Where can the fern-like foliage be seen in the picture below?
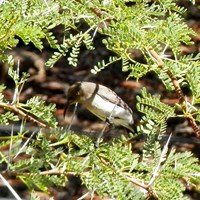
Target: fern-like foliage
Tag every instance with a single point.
(36, 106)
(7, 117)
(112, 170)
(2, 88)
(73, 43)
(102, 65)
(151, 106)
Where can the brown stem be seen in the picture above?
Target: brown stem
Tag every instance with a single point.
(178, 90)
(132, 180)
(99, 13)
(26, 116)
(194, 126)
(49, 172)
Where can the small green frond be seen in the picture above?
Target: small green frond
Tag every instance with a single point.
(2, 88)
(34, 196)
(193, 79)
(51, 39)
(8, 117)
(54, 58)
(88, 41)
(102, 64)
(151, 106)
(37, 107)
(73, 58)
(137, 70)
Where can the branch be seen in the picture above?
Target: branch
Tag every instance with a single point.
(146, 188)
(99, 13)
(178, 90)
(24, 115)
(48, 172)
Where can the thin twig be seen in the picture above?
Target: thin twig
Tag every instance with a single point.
(65, 139)
(161, 160)
(57, 172)
(54, 171)
(83, 196)
(72, 117)
(175, 82)
(10, 188)
(16, 91)
(138, 183)
(178, 90)
(26, 116)
(24, 145)
(10, 148)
